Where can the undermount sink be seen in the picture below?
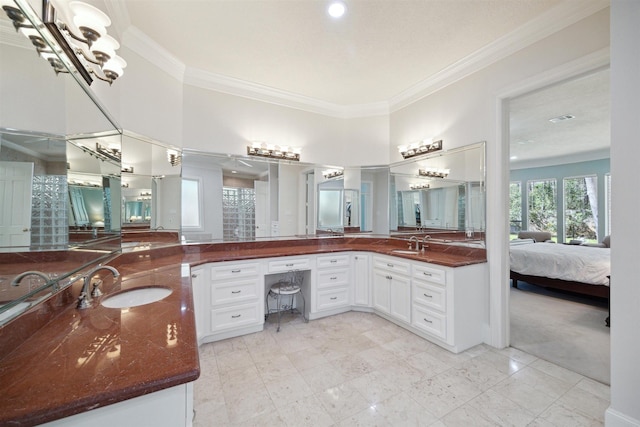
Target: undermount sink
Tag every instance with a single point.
(136, 297)
(405, 252)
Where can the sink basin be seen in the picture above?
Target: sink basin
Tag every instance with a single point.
(136, 297)
(405, 252)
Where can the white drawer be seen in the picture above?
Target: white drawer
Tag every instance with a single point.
(430, 295)
(333, 261)
(390, 264)
(229, 271)
(234, 291)
(289, 264)
(435, 275)
(430, 322)
(233, 317)
(332, 298)
(333, 277)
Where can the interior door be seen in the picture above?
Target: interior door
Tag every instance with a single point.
(15, 192)
(262, 208)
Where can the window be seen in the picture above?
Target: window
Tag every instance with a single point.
(238, 213)
(581, 208)
(515, 207)
(542, 204)
(191, 211)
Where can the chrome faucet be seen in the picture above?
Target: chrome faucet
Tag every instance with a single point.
(16, 280)
(83, 299)
(411, 240)
(424, 242)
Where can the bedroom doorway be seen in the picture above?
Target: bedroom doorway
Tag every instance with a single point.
(558, 134)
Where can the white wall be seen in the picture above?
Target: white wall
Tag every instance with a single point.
(625, 269)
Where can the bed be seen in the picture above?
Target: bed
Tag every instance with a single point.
(580, 269)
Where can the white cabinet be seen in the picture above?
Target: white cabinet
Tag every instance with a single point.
(360, 282)
(331, 294)
(392, 287)
(449, 305)
(230, 299)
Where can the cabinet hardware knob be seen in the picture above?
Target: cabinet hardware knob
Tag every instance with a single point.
(428, 321)
(236, 316)
(193, 276)
(427, 274)
(289, 265)
(389, 277)
(428, 296)
(333, 298)
(389, 265)
(25, 229)
(333, 261)
(333, 278)
(235, 292)
(236, 271)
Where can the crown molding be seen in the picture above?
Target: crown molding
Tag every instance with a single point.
(212, 81)
(566, 13)
(150, 50)
(586, 156)
(117, 10)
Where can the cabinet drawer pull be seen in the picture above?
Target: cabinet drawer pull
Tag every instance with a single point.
(428, 296)
(389, 277)
(236, 271)
(289, 265)
(427, 274)
(428, 321)
(238, 315)
(389, 265)
(333, 278)
(333, 261)
(236, 292)
(333, 298)
(193, 276)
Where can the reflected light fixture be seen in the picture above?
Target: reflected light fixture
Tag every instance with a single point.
(262, 149)
(419, 186)
(336, 9)
(127, 169)
(332, 173)
(84, 41)
(422, 147)
(434, 172)
(113, 153)
(174, 157)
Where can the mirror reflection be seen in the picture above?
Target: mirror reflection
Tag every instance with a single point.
(440, 194)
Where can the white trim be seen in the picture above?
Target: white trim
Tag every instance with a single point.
(498, 236)
(568, 12)
(8, 36)
(147, 48)
(561, 160)
(613, 418)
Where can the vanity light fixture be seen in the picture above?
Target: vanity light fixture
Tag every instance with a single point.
(113, 153)
(419, 186)
(127, 169)
(422, 147)
(434, 172)
(93, 53)
(125, 185)
(261, 149)
(174, 157)
(332, 173)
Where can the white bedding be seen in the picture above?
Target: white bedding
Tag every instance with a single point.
(566, 262)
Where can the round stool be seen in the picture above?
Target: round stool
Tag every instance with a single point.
(284, 292)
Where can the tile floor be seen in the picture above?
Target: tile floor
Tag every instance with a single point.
(357, 369)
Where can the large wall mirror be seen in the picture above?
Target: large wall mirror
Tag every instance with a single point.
(440, 194)
(50, 129)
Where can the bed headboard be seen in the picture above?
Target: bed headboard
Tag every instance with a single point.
(538, 236)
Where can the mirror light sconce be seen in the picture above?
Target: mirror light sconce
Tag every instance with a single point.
(261, 149)
(417, 148)
(92, 53)
(113, 153)
(174, 157)
(419, 186)
(332, 173)
(127, 169)
(434, 172)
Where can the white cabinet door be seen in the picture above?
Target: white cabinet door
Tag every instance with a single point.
(400, 299)
(201, 289)
(382, 290)
(361, 284)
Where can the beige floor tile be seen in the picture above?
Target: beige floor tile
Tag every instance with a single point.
(351, 367)
(542, 381)
(249, 404)
(233, 360)
(229, 345)
(305, 412)
(402, 410)
(366, 418)
(270, 419)
(402, 374)
(288, 389)
(322, 377)
(518, 355)
(426, 363)
(534, 400)
(562, 416)
(501, 362)
(342, 401)
(502, 411)
(600, 390)
(482, 374)
(275, 369)
(407, 346)
(210, 414)
(307, 358)
(375, 387)
(556, 371)
(442, 394)
(467, 416)
(585, 402)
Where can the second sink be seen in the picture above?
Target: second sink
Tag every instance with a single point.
(136, 297)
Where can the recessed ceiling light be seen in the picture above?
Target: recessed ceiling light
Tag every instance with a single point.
(562, 118)
(234, 171)
(336, 9)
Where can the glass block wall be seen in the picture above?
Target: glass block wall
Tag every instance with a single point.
(238, 213)
(49, 221)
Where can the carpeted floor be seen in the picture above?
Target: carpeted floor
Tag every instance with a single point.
(565, 330)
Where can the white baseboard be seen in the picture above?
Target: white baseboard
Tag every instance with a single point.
(613, 418)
